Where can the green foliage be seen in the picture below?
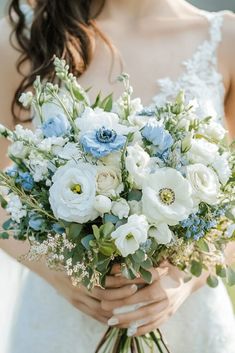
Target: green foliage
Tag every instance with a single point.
(230, 276)
(212, 281)
(196, 268)
(4, 235)
(3, 202)
(146, 275)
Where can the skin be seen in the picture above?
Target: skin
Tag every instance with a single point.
(165, 25)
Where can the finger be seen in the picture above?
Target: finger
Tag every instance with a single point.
(120, 281)
(114, 294)
(149, 327)
(116, 269)
(158, 272)
(153, 292)
(149, 312)
(97, 314)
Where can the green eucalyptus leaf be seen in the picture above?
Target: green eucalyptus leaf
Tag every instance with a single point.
(75, 230)
(3, 202)
(212, 281)
(196, 268)
(8, 224)
(147, 264)
(107, 229)
(96, 231)
(4, 235)
(203, 246)
(221, 271)
(146, 275)
(138, 256)
(107, 103)
(230, 276)
(86, 241)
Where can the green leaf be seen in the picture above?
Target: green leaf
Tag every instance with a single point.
(107, 248)
(97, 101)
(8, 224)
(106, 229)
(75, 230)
(230, 276)
(221, 271)
(96, 231)
(86, 241)
(196, 268)
(212, 281)
(139, 256)
(146, 275)
(3, 202)
(128, 273)
(147, 264)
(203, 246)
(107, 103)
(4, 235)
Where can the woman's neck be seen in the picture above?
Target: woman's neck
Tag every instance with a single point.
(134, 10)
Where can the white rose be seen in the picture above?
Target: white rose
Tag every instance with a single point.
(18, 150)
(97, 118)
(222, 168)
(72, 194)
(204, 182)
(109, 181)
(102, 204)
(137, 161)
(213, 130)
(120, 208)
(135, 207)
(129, 236)
(202, 151)
(167, 197)
(161, 233)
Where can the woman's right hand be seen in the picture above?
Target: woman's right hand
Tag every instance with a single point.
(90, 302)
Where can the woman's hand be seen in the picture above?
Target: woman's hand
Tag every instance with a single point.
(152, 305)
(90, 302)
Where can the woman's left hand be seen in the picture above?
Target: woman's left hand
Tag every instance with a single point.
(152, 305)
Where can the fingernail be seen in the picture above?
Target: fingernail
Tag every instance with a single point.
(131, 331)
(113, 321)
(134, 288)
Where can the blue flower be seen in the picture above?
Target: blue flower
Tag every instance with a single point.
(36, 222)
(25, 180)
(196, 227)
(102, 142)
(56, 126)
(159, 137)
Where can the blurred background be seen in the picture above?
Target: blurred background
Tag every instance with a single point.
(210, 5)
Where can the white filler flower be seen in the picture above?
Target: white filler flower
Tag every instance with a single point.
(72, 194)
(129, 236)
(167, 197)
(204, 182)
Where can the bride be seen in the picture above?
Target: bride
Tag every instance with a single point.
(164, 45)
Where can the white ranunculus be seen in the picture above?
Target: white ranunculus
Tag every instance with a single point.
(167, 197)
(161, 233)
(97, 118)
(70, 151)
(135, 207)
(137, 161)
(202, 151)
(102, 204)
(213, 130)
(72, 194)
(204, 182)
(109, 181)
(120, 208)
(18, 150)
(222, 168)
(129, 236)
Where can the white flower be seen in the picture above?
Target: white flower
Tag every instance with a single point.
(102, 204)
(51, 144)
(120, 208)
(25, 134)
(26, 99)
(129, 236)
(213, 130)
(137, 161)
(18, 150)
(138, 120)
(167, 197)
(202, 151)
(112, 159)
(222, 168)
(109, 181)
(161, 233)
(3, 129)
(204, 182)
(70, 151)
(135, 207)
(72, 194)
(15, 208)
(119, 107)
(98, 118)
(187, 142)
(38, 166)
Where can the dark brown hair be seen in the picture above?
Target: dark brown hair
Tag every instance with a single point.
(65, 28)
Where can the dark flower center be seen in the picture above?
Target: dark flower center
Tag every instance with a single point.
(104, 135)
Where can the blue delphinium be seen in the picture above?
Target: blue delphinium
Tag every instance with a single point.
(25, 179)
(196, 227)
(56, 126)
(159, 137)
(101, 142)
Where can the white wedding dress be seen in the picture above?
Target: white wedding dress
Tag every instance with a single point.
(34, 318)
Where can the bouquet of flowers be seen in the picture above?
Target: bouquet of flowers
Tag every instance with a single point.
(115, 182)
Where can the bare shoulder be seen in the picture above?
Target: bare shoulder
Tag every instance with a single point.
(228, 42)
